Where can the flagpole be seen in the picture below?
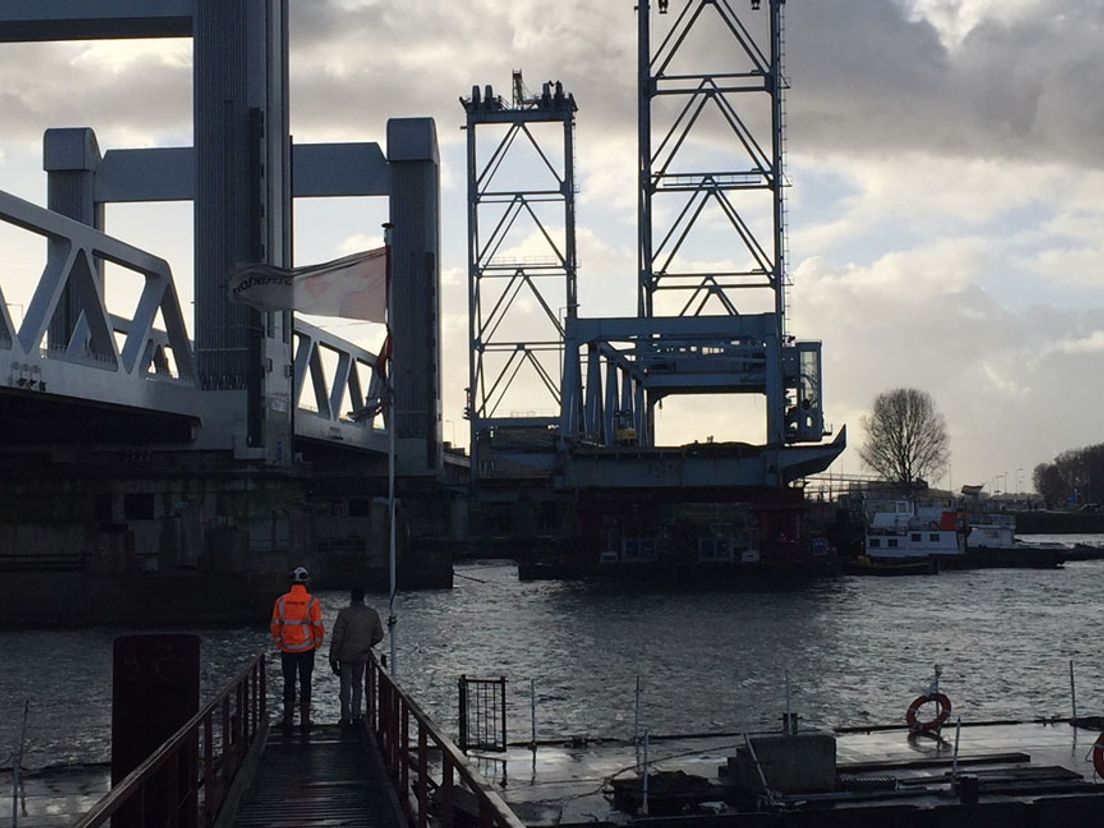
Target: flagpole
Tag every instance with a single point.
(392, 619)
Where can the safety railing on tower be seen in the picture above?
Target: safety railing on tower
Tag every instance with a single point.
(188, 777)
(407, 740)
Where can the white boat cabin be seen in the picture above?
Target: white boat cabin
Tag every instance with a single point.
(992, 532)
(902, 530)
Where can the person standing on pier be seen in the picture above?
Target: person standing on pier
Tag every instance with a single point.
(356, 631)
(297, 632)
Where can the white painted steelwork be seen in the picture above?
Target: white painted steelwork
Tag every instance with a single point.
(92, 364)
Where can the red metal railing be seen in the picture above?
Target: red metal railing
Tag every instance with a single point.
(396, 719)
(190, 774)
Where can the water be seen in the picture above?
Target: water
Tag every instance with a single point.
(1066, 539)
(857, 649)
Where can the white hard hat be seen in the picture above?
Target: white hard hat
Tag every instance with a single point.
(300, 575)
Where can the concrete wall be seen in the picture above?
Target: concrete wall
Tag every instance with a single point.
(131, 535)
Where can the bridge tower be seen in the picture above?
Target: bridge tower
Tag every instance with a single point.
(521, 270)
(741, 187)
(193, 447)
(711, 303)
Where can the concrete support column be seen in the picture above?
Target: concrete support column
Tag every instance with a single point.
(70, 158)
(242, 213)
(415, 285)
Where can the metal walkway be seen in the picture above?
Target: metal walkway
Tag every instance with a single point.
(330, 776)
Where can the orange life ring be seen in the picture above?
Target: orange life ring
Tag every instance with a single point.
(944, 705)
(1098, 755)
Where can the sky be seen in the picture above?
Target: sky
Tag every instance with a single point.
(946, 214)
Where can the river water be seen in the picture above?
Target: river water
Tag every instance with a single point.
(857, 650)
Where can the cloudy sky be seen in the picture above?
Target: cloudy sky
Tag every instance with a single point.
(947, 209)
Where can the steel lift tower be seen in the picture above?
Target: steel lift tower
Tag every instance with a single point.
(710, 316)
(521, 273)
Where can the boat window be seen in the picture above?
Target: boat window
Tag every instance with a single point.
(875, 543)
(892, 543)
(933, 536)
(916, 537)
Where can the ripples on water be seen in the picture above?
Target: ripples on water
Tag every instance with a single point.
(857, 649)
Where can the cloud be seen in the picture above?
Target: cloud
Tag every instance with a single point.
(1091, 344)
(132, 94)
(916, 318)
(868, 76)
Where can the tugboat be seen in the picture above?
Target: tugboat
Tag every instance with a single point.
(907, 533)
(903, 538)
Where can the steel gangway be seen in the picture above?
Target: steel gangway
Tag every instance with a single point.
(227, 766)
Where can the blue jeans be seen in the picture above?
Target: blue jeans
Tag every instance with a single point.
(352, 684)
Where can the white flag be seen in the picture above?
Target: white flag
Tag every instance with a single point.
(354, 287)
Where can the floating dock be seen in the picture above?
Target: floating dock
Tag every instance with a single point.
(1037, 773)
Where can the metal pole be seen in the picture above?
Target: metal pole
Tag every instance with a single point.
(644, 781)
(758, 768)
(533, 722)
(392, 619)
(636, 723)
(954, 762)
(533, 711)
(644, 169)
(789, 726)
(1073, 691)
(17, 765)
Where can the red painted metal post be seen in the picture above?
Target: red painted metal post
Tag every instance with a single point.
(463, 688)
(227, 771)
(447, 799)
(385, 715)
(164, 789)
(404, 765)
(172, 789)
(262, 667)
(396, 713)
(190, 774)
(370, 693)
(423, 781)
(251, 695)
(209, 793)
(236, 719)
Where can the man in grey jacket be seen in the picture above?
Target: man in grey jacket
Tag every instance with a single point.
(355, 632)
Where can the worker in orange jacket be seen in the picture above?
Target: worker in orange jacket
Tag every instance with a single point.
(297, 632)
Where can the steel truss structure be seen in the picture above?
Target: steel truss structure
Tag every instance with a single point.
(115, 360)
(682, 186)
(91, 363)
(516, 301)
(617, 370)
(245, 371)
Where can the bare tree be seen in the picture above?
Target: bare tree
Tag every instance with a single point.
(906, 437)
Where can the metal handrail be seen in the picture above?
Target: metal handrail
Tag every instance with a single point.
(393, 715)
(241, 709)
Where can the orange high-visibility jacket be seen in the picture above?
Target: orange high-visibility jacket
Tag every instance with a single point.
(297, 621)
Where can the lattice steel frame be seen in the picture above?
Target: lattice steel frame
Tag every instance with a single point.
(765, 171)
(489, 385)
(93, 363)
